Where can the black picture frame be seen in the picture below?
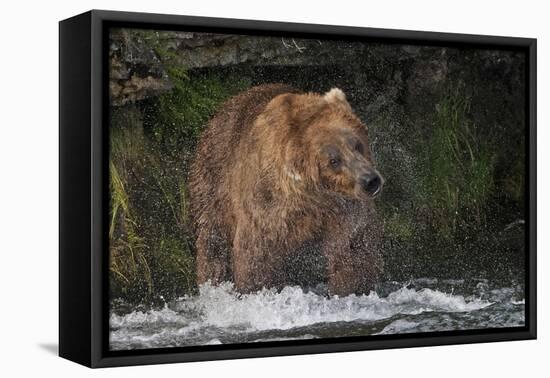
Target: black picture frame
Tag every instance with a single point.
(83, 197)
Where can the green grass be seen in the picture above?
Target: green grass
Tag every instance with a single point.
(151, 244)
(458, 167)
(180, 116)
(441, 211)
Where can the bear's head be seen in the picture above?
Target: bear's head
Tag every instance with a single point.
(328, 147)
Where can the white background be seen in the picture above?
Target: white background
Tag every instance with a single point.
(29, 186)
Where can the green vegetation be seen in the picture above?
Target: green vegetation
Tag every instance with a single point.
(458, 168)
(151, 244)
(447, 222)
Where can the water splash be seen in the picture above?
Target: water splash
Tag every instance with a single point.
(221, 315)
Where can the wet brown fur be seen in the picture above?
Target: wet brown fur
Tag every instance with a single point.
(262, 196)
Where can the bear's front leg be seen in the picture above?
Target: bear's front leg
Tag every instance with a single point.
(343, 277)
(354, 265)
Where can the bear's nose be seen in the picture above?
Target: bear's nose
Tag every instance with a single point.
(371, 183)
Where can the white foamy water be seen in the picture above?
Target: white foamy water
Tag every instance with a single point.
(219, 315)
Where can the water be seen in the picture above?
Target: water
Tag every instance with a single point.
(219, 315)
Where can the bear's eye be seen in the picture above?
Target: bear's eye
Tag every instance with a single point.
(359, 147)
(334, 163)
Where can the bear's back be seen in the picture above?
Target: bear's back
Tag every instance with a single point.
(217, 147)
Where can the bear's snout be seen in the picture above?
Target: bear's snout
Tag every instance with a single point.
(371, 183)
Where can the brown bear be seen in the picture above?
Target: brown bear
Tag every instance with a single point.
(281, 192)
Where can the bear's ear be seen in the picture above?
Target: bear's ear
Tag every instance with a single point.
(336, 96)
